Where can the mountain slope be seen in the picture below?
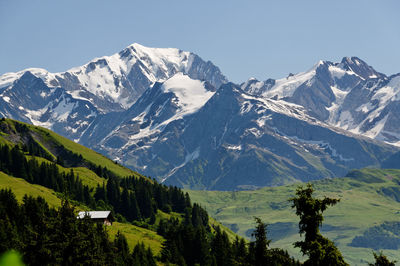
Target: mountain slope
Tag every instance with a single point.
(232, 141)
(134, 234)
(54, 145)
(37, 162)
(350, 95)
(20, 187)
(368, 197)
(242, 141)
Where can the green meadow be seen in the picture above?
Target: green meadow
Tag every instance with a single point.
(49, 141)
(368, 198)
(20, 187)
(135, 235)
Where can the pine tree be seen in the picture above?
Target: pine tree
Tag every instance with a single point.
(261, 243)
(122, 249)
(134, 210)
(112, 192)
(221, 247)
(52, 237)
(382, 260)
(141, 256)
(239, 250)
(320, 250)
(201, 247)
(145, 202)
(100, 193)
(150, 257)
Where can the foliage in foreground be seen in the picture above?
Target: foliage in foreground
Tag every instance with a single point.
(11, 258)
(382, 260)
(320, 250)
(47, 236)
(189, 245)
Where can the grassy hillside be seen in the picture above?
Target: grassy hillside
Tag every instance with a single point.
(88, 154)
(42, 157)
(135, 234)
(369, 197)
(20, 187)
(15, 132)
(53, 145)
(87, 176)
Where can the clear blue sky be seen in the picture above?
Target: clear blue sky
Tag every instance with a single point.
(262, 39)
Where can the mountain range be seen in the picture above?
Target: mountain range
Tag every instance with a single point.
(173, 116)
(350, 95)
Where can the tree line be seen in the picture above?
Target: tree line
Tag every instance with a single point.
(14, 162)
(136, 199)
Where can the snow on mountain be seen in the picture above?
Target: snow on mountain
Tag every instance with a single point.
(158, 59)
(286, 87)
(159, 107)
(105, 76)
(103, 85)
(190, 94)
(350, 95)
(379, 114)
(8, 79)
(232, 140)
(173, 116)
(121, 78)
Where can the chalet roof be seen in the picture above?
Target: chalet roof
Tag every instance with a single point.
(94, 214)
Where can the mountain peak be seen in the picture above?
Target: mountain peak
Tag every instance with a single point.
(158, 55)
(352, 60)
(319, 63)
(28, 75)
(138, 46)
(359, 67)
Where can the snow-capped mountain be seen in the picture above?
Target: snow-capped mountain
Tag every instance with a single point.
(161, 105)
(173, 116)
(67, 102)
(229, 139)
(350, 95)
